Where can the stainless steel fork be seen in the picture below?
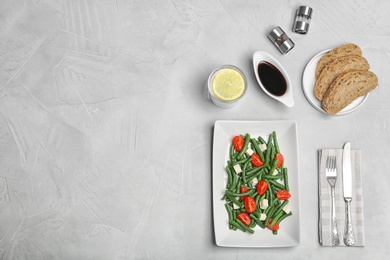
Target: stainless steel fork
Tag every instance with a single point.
(331, 177)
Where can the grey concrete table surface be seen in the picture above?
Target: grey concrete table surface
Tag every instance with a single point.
(106, 130)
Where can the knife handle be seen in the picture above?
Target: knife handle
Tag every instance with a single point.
(335, 234)
(349, 237)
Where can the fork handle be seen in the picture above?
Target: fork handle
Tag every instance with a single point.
(335, 234)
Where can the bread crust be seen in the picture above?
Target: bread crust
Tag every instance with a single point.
(347, 87)
(344, 50)
(334, 69)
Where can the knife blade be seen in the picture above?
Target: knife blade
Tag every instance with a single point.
(349, 237)
(347, 172)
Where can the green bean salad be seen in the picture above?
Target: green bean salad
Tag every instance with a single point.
(257, 189)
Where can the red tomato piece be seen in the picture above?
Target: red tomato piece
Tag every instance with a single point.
(238, 142)
(256, 161)
(250, 204)
(244, 217)
(280, 159)
(243, 189)
(262, 187)
(283, 195)
(274, 227)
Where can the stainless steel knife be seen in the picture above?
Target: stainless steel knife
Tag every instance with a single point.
(349, 237)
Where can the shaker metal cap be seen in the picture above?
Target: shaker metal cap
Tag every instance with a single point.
(305, 10)
(281, 40)
(301, 27)
(302, 19)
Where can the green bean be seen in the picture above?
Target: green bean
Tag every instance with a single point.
(230, 213)
(235, 212)
(256, 220)
(252, 224)
(267, 209)
(245, 227)
(242, 152)
(276, 200)
(273, 177)
(276, 144)
(286, 186)
(254, 144)
(280, 208)
(276, 184)
(255, 213)
(234, 180)
(271, 155)
(237, 225)
(255, 175)
(232, 152)
(271, 205)
(257, 199)
(252, 171)
(269, 198)
(238, 186)
(276, 218)
(270, 213)
(235, 201)
(243, 160)
(273, 166)
(243, 174)
(261, 140)
(248, 193)
(268, 152)
(229, 177)
(271, 192)
(284, 216)
(257, 149)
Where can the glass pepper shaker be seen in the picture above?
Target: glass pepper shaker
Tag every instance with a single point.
(281, 40)
(302, 19)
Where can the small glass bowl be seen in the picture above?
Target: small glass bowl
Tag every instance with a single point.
(216, 100)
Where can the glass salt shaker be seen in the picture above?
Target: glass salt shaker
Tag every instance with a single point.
(302, 19)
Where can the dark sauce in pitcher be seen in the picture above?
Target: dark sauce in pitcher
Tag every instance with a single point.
(271, 78)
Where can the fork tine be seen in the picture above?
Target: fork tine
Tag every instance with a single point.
(328, 162)
(334, 162)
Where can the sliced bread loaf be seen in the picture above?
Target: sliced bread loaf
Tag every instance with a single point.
(347, 87)
(335, 68)
(344, 50)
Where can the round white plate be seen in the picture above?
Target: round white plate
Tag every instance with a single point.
(308, 81)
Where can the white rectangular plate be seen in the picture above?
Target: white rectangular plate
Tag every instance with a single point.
(289, 233)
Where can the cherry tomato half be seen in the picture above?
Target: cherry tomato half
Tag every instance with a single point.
(274, 227)
(283, 195)
(280, 159)
(238, 142)
(262, 187)
(250, 204)
(244, 217)
(256, 161)
(243, 189)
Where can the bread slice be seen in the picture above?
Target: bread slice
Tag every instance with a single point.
(335, 68)
(347, 87)
(344, 50)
